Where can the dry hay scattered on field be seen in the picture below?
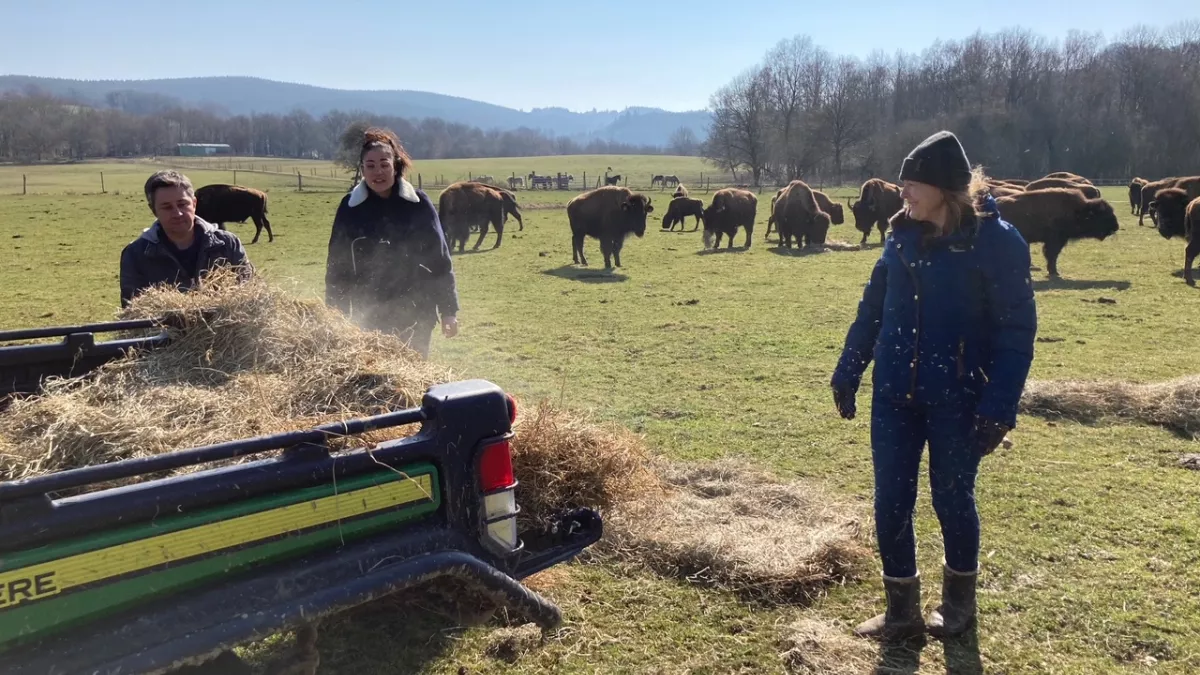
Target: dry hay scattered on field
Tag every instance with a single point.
(1190, 462)
(813, 647)
(730, 526)
(247, 359)
(838, 245)
(1174, 404)
(510, 643)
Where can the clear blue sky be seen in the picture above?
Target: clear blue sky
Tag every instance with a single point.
(579, 55)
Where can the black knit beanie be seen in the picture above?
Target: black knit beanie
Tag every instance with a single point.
(939, 161)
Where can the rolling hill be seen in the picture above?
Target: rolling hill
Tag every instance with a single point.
(246, 95)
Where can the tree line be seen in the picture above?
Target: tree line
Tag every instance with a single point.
(35, 126)
(1022, 105)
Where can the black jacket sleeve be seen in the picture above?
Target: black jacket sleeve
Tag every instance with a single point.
(339, 266)
(443, 290)
(133, 278)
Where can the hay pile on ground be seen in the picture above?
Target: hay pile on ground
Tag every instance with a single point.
(730, 526)
(1174, 404)
(814, 647)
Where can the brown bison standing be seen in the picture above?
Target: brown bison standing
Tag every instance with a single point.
(836, 215)
(1057, 216)
(797, 214)
(1179, 216)
(1135, 195)
(1088, 190)
(1067, 175)
(220, 204)
(610, 214)
(679, 209)
(467, 203)
(730, 209)
(878, 201)
(1148, 191)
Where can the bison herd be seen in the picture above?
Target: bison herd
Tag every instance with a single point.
(1054, 210)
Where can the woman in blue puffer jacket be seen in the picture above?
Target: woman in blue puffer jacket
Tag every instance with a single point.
(949, 319)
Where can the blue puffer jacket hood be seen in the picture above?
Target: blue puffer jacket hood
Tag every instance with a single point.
(947, 320)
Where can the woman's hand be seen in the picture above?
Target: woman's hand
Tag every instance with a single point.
(449, 326)
(843, 398)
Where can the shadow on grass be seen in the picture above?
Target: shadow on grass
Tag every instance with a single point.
(900, 658)
(715, 251)
(396, 634)
(1179, 274)
(795, 252)
(473, 251)
(586, 275)
(962, 654)
(1060, 284)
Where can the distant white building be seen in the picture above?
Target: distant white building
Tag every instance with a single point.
(202, 149)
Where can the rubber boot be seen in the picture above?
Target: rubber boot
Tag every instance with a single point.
(957, 611)
(902, 620)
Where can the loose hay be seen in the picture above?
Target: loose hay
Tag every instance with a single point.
(729, 526)
(1174, 404)
(510, 644)
(819, 648)
(1190, 462)
(565, 461)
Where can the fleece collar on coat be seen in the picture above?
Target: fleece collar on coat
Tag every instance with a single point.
(360, 192)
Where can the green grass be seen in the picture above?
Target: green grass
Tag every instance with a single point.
(1091, 538)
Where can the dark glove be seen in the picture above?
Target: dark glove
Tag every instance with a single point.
(986, 436)
(843, 398)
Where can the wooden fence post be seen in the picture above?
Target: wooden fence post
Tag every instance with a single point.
(299, 182)
(585, 180)
(419, 182)
(102, 190)
(24, 185)
(235, 176)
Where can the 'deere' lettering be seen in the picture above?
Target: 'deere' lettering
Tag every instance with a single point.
(16, 591)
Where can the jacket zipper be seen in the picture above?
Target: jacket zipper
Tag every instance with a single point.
(912, 390)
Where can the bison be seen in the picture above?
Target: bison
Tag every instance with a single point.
(1056, 216)
(680, 191)
(1135, 195)
(1015, 182)
(610, 214)
(999, 190)
(468, 203)
(878, 201)
(1179, 216)
(836, 215)
(730, 209)
(797, 214)
(1089, 191)
(1191, 185)
(1067, 175)
(679, 209)
(220, 204)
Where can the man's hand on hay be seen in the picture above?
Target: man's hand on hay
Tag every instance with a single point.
(449, 326)
(986, 436)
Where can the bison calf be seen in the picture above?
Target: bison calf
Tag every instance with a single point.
(1057, 216)
(679, 209)
(220, 204)
(609, 214)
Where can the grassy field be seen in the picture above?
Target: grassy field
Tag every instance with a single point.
(1091, 542)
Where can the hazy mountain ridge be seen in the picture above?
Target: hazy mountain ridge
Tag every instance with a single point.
(229, 95)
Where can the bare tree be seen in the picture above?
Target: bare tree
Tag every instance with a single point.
(741, 116)
(683, 142)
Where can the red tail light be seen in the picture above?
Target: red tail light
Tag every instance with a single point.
(495, 467)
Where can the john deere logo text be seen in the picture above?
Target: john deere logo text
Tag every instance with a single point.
(14, 591)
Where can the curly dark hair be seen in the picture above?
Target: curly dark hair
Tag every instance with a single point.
(381, 138)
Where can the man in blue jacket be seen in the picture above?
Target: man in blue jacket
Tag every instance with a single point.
(179, 248)
(949, 318)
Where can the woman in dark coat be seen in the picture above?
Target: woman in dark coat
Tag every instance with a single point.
(949, 319)
(389, 266)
